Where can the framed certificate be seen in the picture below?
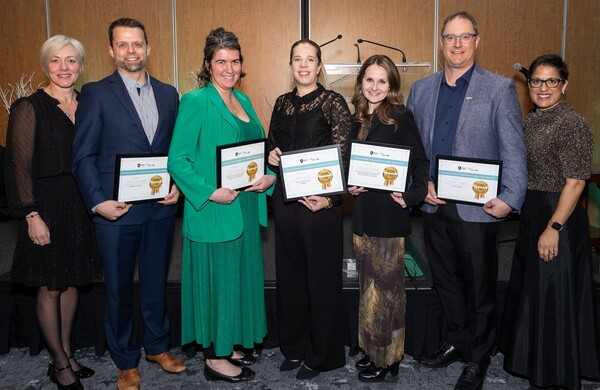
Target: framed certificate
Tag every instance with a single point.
(467, 180)
(314, 171)
(141, 178)
(241, 164)
(378, 166)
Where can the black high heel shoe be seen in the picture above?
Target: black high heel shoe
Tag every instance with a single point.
(363, 363)
(52, 371)
(83, 372)
(376, 374)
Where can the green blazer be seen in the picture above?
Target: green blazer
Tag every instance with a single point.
(203, 123)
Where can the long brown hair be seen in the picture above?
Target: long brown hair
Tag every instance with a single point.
(393, 98)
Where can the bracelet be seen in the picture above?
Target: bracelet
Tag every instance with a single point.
(31, 215)
(330, 203)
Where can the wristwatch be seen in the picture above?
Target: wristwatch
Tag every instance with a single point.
(556, 226)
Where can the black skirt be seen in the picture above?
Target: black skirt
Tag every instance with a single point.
(550, 332)
(72, 257)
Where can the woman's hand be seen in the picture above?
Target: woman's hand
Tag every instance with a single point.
(398, 198)
(548, 244)
(314, 203)
(262, 184)
(38, 230)
(274, 157)
(224, 196)
(355, 191)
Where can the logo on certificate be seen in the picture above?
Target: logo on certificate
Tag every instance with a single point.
(325, 177)
(155, 184)
(480, 188)
(389, 175)
(251, 170)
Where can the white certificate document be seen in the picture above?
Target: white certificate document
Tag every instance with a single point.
(141, 178)
(467, 180)
(314, 171)
(378, 166)
(241, 164)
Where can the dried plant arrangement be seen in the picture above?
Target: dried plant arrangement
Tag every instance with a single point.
(21, 88)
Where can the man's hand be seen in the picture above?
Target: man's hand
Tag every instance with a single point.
(172, 197)
(112, 209)
(497, 208)
(431, 197)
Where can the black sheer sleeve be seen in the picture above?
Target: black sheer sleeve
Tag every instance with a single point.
(338, 115)
(19, 166)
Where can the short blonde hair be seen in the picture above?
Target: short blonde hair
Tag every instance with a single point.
(53, 46)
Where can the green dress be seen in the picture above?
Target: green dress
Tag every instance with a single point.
(222, 283)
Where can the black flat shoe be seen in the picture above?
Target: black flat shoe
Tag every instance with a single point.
(376, 374)
(244, 361)
(305, 373)
(212, 375)
(363, 363)
(289, 365)
(83, 372)
(52, 371)
(446, 355)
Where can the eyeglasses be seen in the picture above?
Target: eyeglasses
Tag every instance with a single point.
(550, 83)
(466, 38)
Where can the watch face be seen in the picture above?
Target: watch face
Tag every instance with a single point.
(556, 226)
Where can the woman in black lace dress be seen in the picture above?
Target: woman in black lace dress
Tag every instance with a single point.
(56, 247)
(309, 231)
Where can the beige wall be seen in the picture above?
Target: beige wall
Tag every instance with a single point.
(511, 31)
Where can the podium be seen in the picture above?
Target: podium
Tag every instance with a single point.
(342, 77)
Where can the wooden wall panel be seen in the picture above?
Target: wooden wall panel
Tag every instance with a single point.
(582, 56)
(22, 33)
(405, 24)
(266, 29)
(88, 21)
(511, 31)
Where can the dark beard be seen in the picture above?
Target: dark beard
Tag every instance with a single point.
(131, 67)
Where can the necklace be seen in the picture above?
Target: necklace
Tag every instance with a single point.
(66, 107)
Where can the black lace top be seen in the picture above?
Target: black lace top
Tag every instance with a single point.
(319, 118)
(38, 145)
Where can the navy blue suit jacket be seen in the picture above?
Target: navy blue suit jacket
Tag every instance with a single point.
(107, 124)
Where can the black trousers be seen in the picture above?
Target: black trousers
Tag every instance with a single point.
(463, 257)
(309, 283)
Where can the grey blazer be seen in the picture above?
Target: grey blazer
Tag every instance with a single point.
(489, 127)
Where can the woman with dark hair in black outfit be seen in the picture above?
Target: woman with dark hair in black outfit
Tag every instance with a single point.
(550, 333)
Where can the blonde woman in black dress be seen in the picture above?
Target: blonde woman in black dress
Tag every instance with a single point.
(56, 246)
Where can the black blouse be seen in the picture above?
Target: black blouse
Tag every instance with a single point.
(38, 145)
(374, 212)
(319, 118)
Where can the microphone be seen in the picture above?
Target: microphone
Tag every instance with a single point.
(519, 68)
(358, 51)
(334, 39)
(382, 45)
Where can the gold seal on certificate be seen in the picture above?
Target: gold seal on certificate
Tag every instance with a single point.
(480, 188)
(389, 175)
(325, 177)
(155, 183)
(251, 170)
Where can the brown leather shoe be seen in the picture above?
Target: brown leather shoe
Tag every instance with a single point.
(128, 379)
(168, 362)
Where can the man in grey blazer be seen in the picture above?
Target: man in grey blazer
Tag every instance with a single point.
(466, 111)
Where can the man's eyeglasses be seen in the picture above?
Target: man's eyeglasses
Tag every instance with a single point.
(550, 83)
(466, 38)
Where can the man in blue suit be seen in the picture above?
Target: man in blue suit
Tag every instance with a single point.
(129, 112)
(466, 111)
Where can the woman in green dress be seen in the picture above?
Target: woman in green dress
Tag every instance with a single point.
(222, 271)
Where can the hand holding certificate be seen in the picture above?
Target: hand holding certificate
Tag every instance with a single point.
(314, 171)
(241, 164)
(141, 178)
(468, 180)
(378, 166)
